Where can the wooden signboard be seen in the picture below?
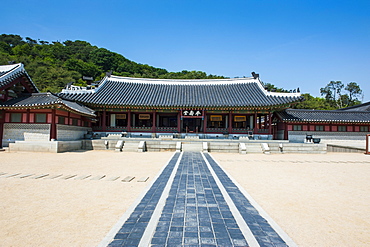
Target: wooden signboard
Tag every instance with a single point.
(144, 116)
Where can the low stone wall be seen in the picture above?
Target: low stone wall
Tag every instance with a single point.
(300, 136)
(70, 132)
(303, 148)
(20, 132)
(344, 149)
(45, 146)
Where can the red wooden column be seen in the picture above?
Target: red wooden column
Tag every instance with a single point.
(255, 123)
(205, 121)
(129, 120)
(270, 123)
(230, 128)
(104, 121)
(179, 121)
(53, 126)
(154, 122)
(285, 131)
(2, 119)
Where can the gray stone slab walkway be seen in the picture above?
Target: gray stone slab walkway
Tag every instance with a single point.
(195, 203)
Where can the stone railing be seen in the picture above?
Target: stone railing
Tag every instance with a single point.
(166, 129)
(217, 130)
(146, 129)
(116, 128)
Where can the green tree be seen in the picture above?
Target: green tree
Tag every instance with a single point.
(11, 39)
(313, 103)
(336, 97)
(272, 88)
(354, 91)
(51, 65)
(79, 49)
(84, 68)
(332, 93)
(105, 59)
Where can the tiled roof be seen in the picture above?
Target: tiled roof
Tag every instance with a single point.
(217, 93)
(361, 107)
(46, 100)
(299, 115)
(8, 73)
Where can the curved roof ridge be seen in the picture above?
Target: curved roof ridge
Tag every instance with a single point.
(329, 111)
(180, 81)
(9, 67)
(10, 72)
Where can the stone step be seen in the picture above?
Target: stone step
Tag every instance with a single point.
(193, 147)
(130, 147)
(160, 146)
(254, 148)
(223, 147)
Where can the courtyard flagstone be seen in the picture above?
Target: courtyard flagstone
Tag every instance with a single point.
(201, 206)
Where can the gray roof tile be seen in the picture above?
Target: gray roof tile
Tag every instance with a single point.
(217, 93)
(300, 115)
(361, 107)
(46, 99)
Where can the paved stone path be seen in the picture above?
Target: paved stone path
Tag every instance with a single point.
(195, 203)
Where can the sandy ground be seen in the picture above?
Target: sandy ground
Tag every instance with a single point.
(58, 212)
(319, 200)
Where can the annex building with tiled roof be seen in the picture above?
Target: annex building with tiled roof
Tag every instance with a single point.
(351, 123)
(28, 115)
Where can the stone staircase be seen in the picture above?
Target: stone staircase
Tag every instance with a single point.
(156, 145)
(94, 145)
(159, 146)
(191, 146)
(130, 146)
(254, 148)
(223, 147)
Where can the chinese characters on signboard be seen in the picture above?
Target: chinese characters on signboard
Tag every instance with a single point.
(191, 113)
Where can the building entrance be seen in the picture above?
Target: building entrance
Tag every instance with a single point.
(192, 125)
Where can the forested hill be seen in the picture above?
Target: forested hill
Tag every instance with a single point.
(52, 65)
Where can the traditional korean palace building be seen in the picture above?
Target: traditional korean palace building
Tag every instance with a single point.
(203, 107)
(137, 107)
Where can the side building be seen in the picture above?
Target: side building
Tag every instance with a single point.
(27, 115)
(352, 123)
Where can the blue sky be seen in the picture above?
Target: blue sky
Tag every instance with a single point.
(290, 43)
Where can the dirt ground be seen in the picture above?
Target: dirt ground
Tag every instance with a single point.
(59, 212)
(319, 200)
